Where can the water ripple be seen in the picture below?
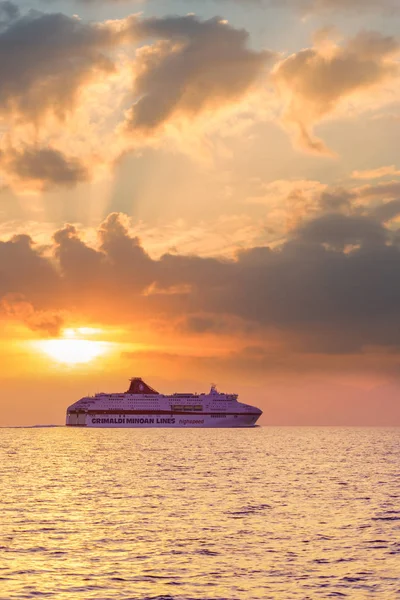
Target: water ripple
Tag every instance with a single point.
(279, 514)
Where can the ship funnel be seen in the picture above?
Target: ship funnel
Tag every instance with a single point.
(138, 386)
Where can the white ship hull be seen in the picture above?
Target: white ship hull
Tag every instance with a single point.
(142, 407)
(153, 421)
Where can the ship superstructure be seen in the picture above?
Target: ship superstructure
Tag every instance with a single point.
(142, 406)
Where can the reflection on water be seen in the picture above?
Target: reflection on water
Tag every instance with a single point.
(200, 514)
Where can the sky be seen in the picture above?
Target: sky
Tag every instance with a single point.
(196, 192)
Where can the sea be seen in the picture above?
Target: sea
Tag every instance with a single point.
(200, 514)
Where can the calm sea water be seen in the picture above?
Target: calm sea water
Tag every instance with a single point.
(280, 513)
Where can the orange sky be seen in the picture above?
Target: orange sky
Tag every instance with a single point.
(201, 197)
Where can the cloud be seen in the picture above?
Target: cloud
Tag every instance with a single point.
(316, 6)
(387, 190)
(387, 211)
(42, 168)
(15, 307)
(215, 324)
(8, 12)
(307, 7)
(333, 285)
(336, 199)
(194, 65)
(25, 270)
(78, 263)
(59, 54)
(96, 2)
(112, 2)
(297, 206)
(376, 173)
(338, 231)
(119, 260)
(304, 6)
(315, 81)
(54, 68)
(83, 74)
(86, 76)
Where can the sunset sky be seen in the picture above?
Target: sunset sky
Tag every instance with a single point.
(197, 191)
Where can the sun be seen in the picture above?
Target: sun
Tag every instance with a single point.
(71, 349)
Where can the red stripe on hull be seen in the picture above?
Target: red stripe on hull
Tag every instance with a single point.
(188, 414)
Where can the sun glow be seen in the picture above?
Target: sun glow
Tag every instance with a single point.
(71, 349)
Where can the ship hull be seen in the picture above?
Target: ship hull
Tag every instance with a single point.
(172, 421)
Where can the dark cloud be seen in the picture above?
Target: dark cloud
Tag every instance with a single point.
(79, 264)
(333, 286)
(24, 270)
(390, 189)
(338, 231)
(8, 12)
(387, 211)
(216, 324)
(120, 260)
(45, 167)
(46, 58)
(336, 199)
(195, 65)
(129, 267)
(112, 2)
(189, 65)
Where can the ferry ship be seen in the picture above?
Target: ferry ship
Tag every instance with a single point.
(142, 406)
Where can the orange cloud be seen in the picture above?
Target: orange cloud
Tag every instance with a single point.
(15, 307)
(376, 173)
(305, 284)
(314, 82)
(188, 68)
(82, 75)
